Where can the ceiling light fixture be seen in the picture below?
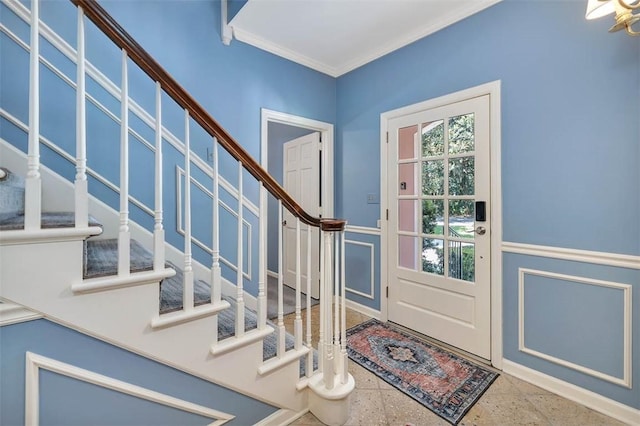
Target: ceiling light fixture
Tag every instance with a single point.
(623, 9)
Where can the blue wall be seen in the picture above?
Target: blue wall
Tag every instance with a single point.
(570, 155)
(72, 402)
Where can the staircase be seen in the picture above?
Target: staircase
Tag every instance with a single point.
(71, 253)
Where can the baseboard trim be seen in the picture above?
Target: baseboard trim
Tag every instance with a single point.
(595, 401)
(364, 309)
(281, 417)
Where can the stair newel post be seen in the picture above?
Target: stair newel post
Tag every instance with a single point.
(297, 323)
(240, 266)
(309, 369)
(332, 386)
(33, 183)
(187, 285)
(158, 229)
(343, 314)
(124, 236)
(216, 274)
(81, 183)
(281, 330)
(328, 367)
(262, 260)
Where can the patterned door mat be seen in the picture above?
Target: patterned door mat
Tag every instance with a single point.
(442, 381)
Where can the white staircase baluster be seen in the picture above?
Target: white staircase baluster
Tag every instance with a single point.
(297, 323)
(158, 229)
(81, 183)
(309, 369)
(281, 330)
(343, 303)
(321, 333)
(240, 270)
(262, 260)
(124, 237)
(187, 285)
(33, 183)
(336, 299)
(216, 273)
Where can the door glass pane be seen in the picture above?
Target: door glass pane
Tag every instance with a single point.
(462, 260)
(433, 177)
(407, 179)
(461, 218)
(461, 176)
(432, 217)
(461, 134)
(407, 219)
(407, 252)
(406, 142)
(433, 256)
(433, 138)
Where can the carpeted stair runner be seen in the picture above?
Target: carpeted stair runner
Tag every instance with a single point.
(101, 259)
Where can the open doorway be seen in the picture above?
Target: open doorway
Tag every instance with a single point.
(293, 136)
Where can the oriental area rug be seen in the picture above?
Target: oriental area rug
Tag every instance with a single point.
(444, 382)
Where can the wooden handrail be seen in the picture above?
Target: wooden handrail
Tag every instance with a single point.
(123, 40)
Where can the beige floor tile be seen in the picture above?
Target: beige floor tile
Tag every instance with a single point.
(563, 412)
(401, 410)
(366, 408)
(525, 387)
(503, 409)
(364, 379)
(307, 419)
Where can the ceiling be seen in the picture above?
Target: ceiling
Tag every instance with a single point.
(337, 36)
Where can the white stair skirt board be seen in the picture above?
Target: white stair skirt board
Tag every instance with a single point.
(123, 316)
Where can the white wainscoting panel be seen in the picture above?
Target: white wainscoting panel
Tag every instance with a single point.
(35, 362)
(627, 349)
(371, 293)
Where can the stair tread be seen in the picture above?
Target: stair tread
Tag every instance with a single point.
(101, 258)
(15, 221)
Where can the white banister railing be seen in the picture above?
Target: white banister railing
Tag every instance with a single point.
(33, 183)
(187, 285)
(81, 183)
(158, 227)
(331, 381)
(124, 236)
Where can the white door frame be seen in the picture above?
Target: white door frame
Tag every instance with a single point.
(493, 90)
(326, 133)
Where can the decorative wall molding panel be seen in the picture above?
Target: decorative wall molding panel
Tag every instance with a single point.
(627, 348)
(371, 247)
(35, 362)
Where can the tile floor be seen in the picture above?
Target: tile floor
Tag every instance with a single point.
(508, 401)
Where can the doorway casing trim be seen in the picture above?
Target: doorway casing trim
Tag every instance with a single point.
(493, 90)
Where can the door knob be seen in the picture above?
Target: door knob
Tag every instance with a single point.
(284, 223)
(481, 230)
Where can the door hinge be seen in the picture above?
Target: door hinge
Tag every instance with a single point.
(387, 214)
(387, 292)
(387, 137)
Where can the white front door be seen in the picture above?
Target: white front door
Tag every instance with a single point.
(301, 163)
(439, 223)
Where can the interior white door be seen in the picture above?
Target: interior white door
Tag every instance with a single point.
(439, 245)
(301, 163)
